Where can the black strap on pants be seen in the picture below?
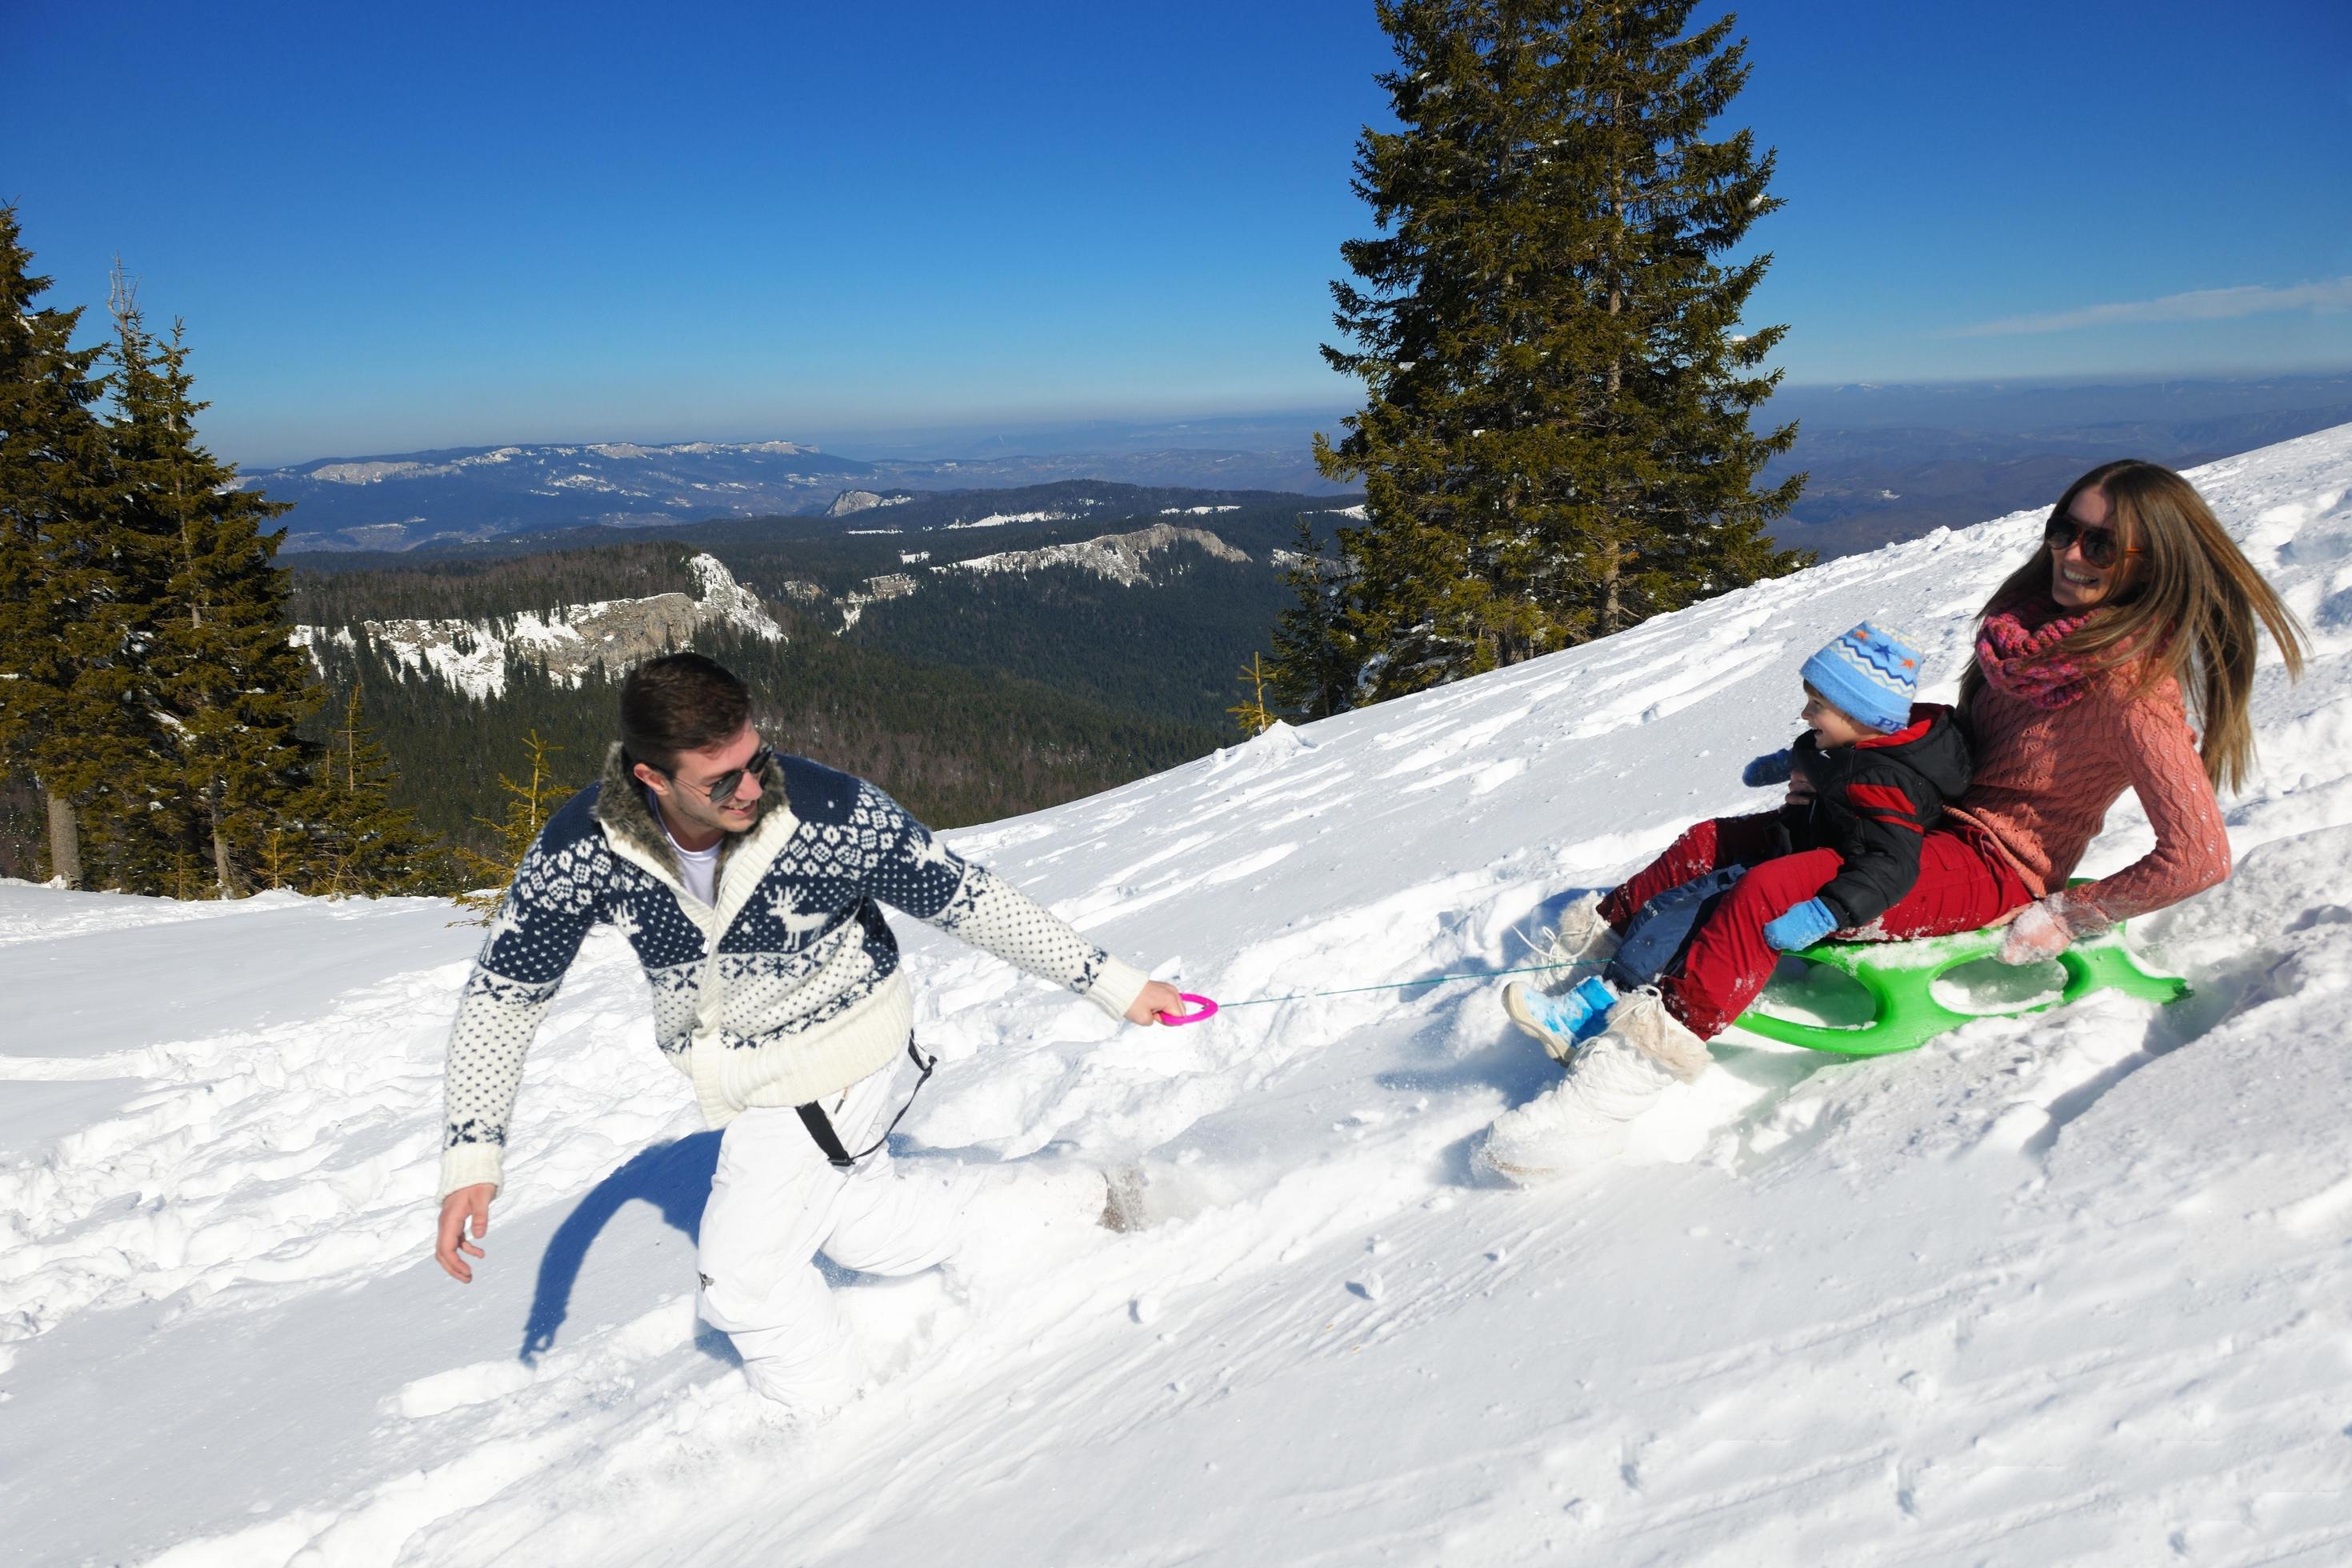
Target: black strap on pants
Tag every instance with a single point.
(819, 1125)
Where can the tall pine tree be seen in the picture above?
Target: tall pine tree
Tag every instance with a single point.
(65, 640)
(227, 687)
(1315, 653)
(1555, 443)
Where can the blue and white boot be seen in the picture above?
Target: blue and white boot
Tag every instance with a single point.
(1564, 1022)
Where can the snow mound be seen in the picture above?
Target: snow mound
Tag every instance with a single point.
(2068, 1288)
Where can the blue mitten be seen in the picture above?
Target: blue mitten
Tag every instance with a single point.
(1801, 927)
(1772, 768)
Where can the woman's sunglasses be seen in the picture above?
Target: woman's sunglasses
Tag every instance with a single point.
(2100, 546)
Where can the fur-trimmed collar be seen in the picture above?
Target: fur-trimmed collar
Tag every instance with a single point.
(622, 807)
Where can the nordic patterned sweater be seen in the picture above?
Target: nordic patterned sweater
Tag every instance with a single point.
(785, 991)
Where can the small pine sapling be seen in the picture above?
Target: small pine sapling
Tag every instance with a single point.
(528, 805)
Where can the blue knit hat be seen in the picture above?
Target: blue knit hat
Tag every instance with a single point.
(1869, 675)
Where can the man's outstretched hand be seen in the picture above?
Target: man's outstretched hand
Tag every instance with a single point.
(465, 1203)
(1156, 998)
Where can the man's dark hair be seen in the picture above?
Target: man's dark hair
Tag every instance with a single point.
(679, 703)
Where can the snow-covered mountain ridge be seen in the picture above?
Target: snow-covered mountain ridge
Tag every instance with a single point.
(613, 634)
(2062, 1289)
(1121, 558)
(373, 471)
(402, 501)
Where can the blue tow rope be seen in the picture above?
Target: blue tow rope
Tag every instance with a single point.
(1394, 985)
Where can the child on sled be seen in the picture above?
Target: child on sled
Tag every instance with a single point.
(1869, 776)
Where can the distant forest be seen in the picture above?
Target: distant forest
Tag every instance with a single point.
(955, 740)
(983, 695)
(1171, 649)
(474, 589)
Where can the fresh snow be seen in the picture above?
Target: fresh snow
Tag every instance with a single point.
(2072, 1288)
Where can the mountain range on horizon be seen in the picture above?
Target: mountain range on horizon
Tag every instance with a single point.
(466, 495)
(1886, 462)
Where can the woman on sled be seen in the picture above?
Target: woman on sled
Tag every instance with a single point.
(2135, 619)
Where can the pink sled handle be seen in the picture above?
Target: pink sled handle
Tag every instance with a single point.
(1208, 1010)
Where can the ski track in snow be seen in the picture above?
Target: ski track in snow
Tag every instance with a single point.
(2068, 1287)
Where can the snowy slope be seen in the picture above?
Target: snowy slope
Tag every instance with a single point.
(2076, 1288)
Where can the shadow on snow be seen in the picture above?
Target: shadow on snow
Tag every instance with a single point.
(673, 1177)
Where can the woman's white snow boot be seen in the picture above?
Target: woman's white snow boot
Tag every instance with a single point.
(1643, 1021)
(1584, 942)
(1582, 1122)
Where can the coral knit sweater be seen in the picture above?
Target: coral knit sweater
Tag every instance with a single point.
(2045, 776)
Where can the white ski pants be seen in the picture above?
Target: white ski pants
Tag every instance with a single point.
(776, 1204)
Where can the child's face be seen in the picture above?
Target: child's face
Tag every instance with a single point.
(1830, 725)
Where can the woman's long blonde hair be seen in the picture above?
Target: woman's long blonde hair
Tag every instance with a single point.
(2185, 605)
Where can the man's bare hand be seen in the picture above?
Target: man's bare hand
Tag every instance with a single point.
(1800, 790)
(467, 1203)
(1154, 999)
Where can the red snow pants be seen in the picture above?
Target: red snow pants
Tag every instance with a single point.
(1963, 884)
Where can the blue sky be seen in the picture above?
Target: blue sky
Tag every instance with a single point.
(395, 227)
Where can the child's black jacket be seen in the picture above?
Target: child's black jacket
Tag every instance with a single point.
(1873, 803)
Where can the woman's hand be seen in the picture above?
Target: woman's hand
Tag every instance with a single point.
(2037, 935)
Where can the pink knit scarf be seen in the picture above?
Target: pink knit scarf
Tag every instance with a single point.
(2019, 661)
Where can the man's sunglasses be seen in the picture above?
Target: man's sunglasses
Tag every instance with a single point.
(722, 789)
(2100, 546)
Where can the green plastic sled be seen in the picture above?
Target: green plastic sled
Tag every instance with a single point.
(1900, 976)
